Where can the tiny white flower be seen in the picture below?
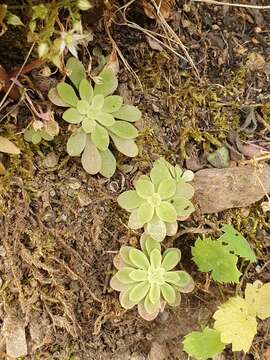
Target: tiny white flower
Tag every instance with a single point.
(70, 40)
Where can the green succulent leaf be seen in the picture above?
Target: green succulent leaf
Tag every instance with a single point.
(154, 293)
(129, 200)
(155, 258)
(139, 259)
(91, 159)
(124, 254)
(167, 188)
(88, 125)
(98, 101)
(166, 212)
(125, 146)
(171, 259)
(184, 189)
(100, 138)
(151, 308)
(112, 104)
(148, 244)
(236, 243)
(55, 98)
(107, 83)
(204, 344)
(124, 299)
(144, 188)
(128, 113)
(210, 255)
(138, 275)
(168, 293)
(145, 212)
(123, 275)
(67, 94)
(124, 130)
(183, 206)
(133, 222)
(159, 172)
(171, 228)
(76, 143)
(139, 291)
(75, 71)
(86, 91)
(156, 228)
(72, 116)
(108, 165)
(105, 119)
(83, 107)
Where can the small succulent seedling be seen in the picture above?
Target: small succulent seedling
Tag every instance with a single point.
(221, 256)
(99, 117)
(159, 200)
(41, 131)
(235, 324)
(144, 278)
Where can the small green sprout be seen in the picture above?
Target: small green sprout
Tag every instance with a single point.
(41, 131)
(99, 117)
(159, 200)
(144, 278)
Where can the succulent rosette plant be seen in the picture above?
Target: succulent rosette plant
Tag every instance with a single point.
(99, 116)
(145, 278)
(159, 200)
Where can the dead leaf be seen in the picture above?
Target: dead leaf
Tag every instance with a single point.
(8, 147)
(255, 62)
(14, 334)
(164, 7)
(265, 206)
(154, 44)
(2, 169)
(220, 189)
(113, 62)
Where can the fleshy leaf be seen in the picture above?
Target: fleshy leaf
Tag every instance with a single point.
(159, 172)
(235, 324)
(167, 188)
(171, 259)
(117, 284)
(97, 102)
(184, 189)
(123, 275)
(145, 212)
(129, 200)
(72, 116)
(139, 259)
(75, 71)
(67, 94)
(168, 293)
(107, 83)
(183, 206)
(166, 212)
(128, 113)
(236, 242)
(257, 296)
(6, 146)
(105, 119)
(139, 291)
(124, 253)
(146, 315)
(154, 293)
(91, 159)
(133, 221)
(156, 229)
(88, 125)
(155, 258)
(112, 104)
(185, 283)
(86, 91)
(148, 244)
(83, 107)
(124, 130)
(76, 143)
(138, 275)
(144, 188)
(125, 146)
(54, 97)
(108, 166)
(211, 256)
(100, 138)
(124, 299)
(171, 228)
(204, 344)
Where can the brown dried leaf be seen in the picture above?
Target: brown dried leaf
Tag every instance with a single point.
(154, 44)
(164, 7)
(8, 147)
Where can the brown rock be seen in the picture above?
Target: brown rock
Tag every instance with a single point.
(220, 189)
(14, 334)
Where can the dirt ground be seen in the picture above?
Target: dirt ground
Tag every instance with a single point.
(60, 227)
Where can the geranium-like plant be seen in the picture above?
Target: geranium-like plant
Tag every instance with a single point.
(159, 200)
(144, 278)
(99, 117)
